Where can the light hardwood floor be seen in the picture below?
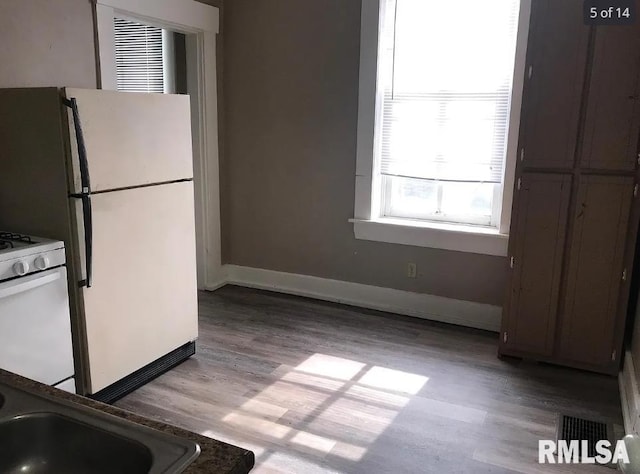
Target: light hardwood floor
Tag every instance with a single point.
(316, 387)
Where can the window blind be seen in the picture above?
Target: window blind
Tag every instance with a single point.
(445, 79)
(139, 63)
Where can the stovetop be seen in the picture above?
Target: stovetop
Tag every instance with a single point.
(22, 255)
(10, 240)
(14, 245)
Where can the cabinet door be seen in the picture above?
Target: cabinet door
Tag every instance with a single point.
(538, 248)
(557, 56)
(595, 269)
(613, 110)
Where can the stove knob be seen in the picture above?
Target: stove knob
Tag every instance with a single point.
(21, 268)
(41, 263)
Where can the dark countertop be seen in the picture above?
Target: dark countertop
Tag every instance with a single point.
(215, 456)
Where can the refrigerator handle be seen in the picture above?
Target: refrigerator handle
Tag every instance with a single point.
(85, 181)
(85, 194)
(87, 218)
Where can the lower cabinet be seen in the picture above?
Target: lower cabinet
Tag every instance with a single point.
(567, 250)
(536, 259)
(595, 271)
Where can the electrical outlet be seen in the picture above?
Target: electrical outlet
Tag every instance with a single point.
(412, 270)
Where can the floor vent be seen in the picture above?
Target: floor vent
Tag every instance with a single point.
(573, 428)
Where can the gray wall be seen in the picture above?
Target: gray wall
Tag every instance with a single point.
(291, 86)
(47, 43)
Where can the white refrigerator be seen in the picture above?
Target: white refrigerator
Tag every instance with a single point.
(111, 174)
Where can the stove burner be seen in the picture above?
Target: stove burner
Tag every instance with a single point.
(7, 237)
(5, 244)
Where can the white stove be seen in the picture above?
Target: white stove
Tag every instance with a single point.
(35, 324)
(21, 254)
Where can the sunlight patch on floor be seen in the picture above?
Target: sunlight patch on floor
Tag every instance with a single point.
(312, 381)
(257, 425)
(348, 451)
(319, 443)
(330, 366)
(294, 465)
(263, 409)
(321, 393)
(393, 380)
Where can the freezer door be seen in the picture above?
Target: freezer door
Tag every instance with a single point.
(143, 300)
(131, 139)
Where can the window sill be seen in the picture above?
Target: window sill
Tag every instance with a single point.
(457, 237)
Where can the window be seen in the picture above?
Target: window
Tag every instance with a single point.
(446, 98)
(143, 57)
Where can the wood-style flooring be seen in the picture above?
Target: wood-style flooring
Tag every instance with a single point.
(314, 387)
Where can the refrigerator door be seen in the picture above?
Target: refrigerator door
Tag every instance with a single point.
(143, 300)
(132, 139)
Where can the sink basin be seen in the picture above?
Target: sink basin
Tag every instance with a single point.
(47, 442)
(45, 435)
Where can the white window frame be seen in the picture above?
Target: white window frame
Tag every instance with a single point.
(459, 237)
(201, 23)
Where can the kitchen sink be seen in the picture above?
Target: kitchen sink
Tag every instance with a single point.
(47, 442)
(43, 435)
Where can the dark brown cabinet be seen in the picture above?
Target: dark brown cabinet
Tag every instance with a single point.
(541, 221)
(557, 55)
(575, 211)
(595, 271)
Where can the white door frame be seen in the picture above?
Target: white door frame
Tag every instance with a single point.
(201, 22)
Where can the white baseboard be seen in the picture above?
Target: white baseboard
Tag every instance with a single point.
(214, 286)
(629, 396)
(419, 305)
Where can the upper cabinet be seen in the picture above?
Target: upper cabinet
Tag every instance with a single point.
(612, 118)
(556, 63)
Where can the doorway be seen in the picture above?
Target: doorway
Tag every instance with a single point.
(188, 36)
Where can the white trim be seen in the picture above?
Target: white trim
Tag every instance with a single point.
(629, 396)
(367, 94)
(365, 214)
(209, 163)
(419, 305)
(187, 16)
(107, 77)
(201, 23)
(461, 238)
(218, 284)
(168, 62)
(370, 18)
(516, 113)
